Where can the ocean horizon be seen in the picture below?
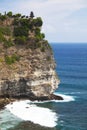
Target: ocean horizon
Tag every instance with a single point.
(69, 114)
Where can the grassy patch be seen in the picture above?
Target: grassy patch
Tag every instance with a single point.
(11, 59)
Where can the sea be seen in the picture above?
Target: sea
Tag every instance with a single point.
(69, 114)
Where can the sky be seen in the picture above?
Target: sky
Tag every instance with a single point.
(64, 21)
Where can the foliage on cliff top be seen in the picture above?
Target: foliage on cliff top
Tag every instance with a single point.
(18, 26)
(20, 30)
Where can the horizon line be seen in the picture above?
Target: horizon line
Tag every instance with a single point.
(67, 42)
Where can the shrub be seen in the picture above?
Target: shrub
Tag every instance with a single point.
(43, 49)
(42, 35)
(11, 59)
(24, 22)
(20, 40)
(23, 16)
(1, 60)
(37, 31)
(16, 57)
(3, 17)
(1, 37)
(39, 36)
(16, 21)
(38, 22)
(5, 30)
(9, 14)
(8, 43)
(21, 31)
(18, 15)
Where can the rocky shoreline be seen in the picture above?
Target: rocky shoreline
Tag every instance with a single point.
(5, 101)
(26, 61)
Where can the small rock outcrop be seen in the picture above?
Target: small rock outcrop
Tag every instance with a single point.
(27, 65)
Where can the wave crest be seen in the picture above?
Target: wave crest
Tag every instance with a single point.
(66, 98)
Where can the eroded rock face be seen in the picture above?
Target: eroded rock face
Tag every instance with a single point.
(35, 86)
(27, 66)
(33, 75)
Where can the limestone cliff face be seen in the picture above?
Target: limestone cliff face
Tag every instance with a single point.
(27, 65)
(33, 75)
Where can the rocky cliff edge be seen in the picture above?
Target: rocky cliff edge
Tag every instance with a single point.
(27, 65)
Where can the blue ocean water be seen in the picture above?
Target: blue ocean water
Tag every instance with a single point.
(71, 67)
(71, 62)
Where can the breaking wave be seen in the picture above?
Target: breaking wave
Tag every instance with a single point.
(66, 98)
(30, 112)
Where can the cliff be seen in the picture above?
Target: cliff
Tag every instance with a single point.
(27, 65)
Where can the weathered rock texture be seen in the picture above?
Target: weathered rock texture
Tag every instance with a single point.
(33, 75)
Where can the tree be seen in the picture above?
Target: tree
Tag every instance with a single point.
(18, 15)
(43, 35)
(9, 14)
(23, 16)
(31, 14)
(21, 31)
(3, 17)
(38, 22)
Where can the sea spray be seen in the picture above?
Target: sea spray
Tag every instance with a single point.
(30, 112)
(66, 98)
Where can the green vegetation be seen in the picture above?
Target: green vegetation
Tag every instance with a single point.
(9, 14)
(1, 37)
(8, 43)
(11, 59)
(43, 49)
(1, 60)
(21, 31)
(3, 17)
(17, 15)
(20, 40)
(17, 29)
(38, 22)
(39, 36)
(5, 31)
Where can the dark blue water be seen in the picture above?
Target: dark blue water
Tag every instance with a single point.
(71, 67)
(71, 62)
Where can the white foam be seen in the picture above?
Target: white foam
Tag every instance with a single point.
(66, 98)
(29, 112)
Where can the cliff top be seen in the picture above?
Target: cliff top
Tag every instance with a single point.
(23, 48)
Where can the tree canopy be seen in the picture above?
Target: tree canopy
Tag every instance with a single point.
(21, 29)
